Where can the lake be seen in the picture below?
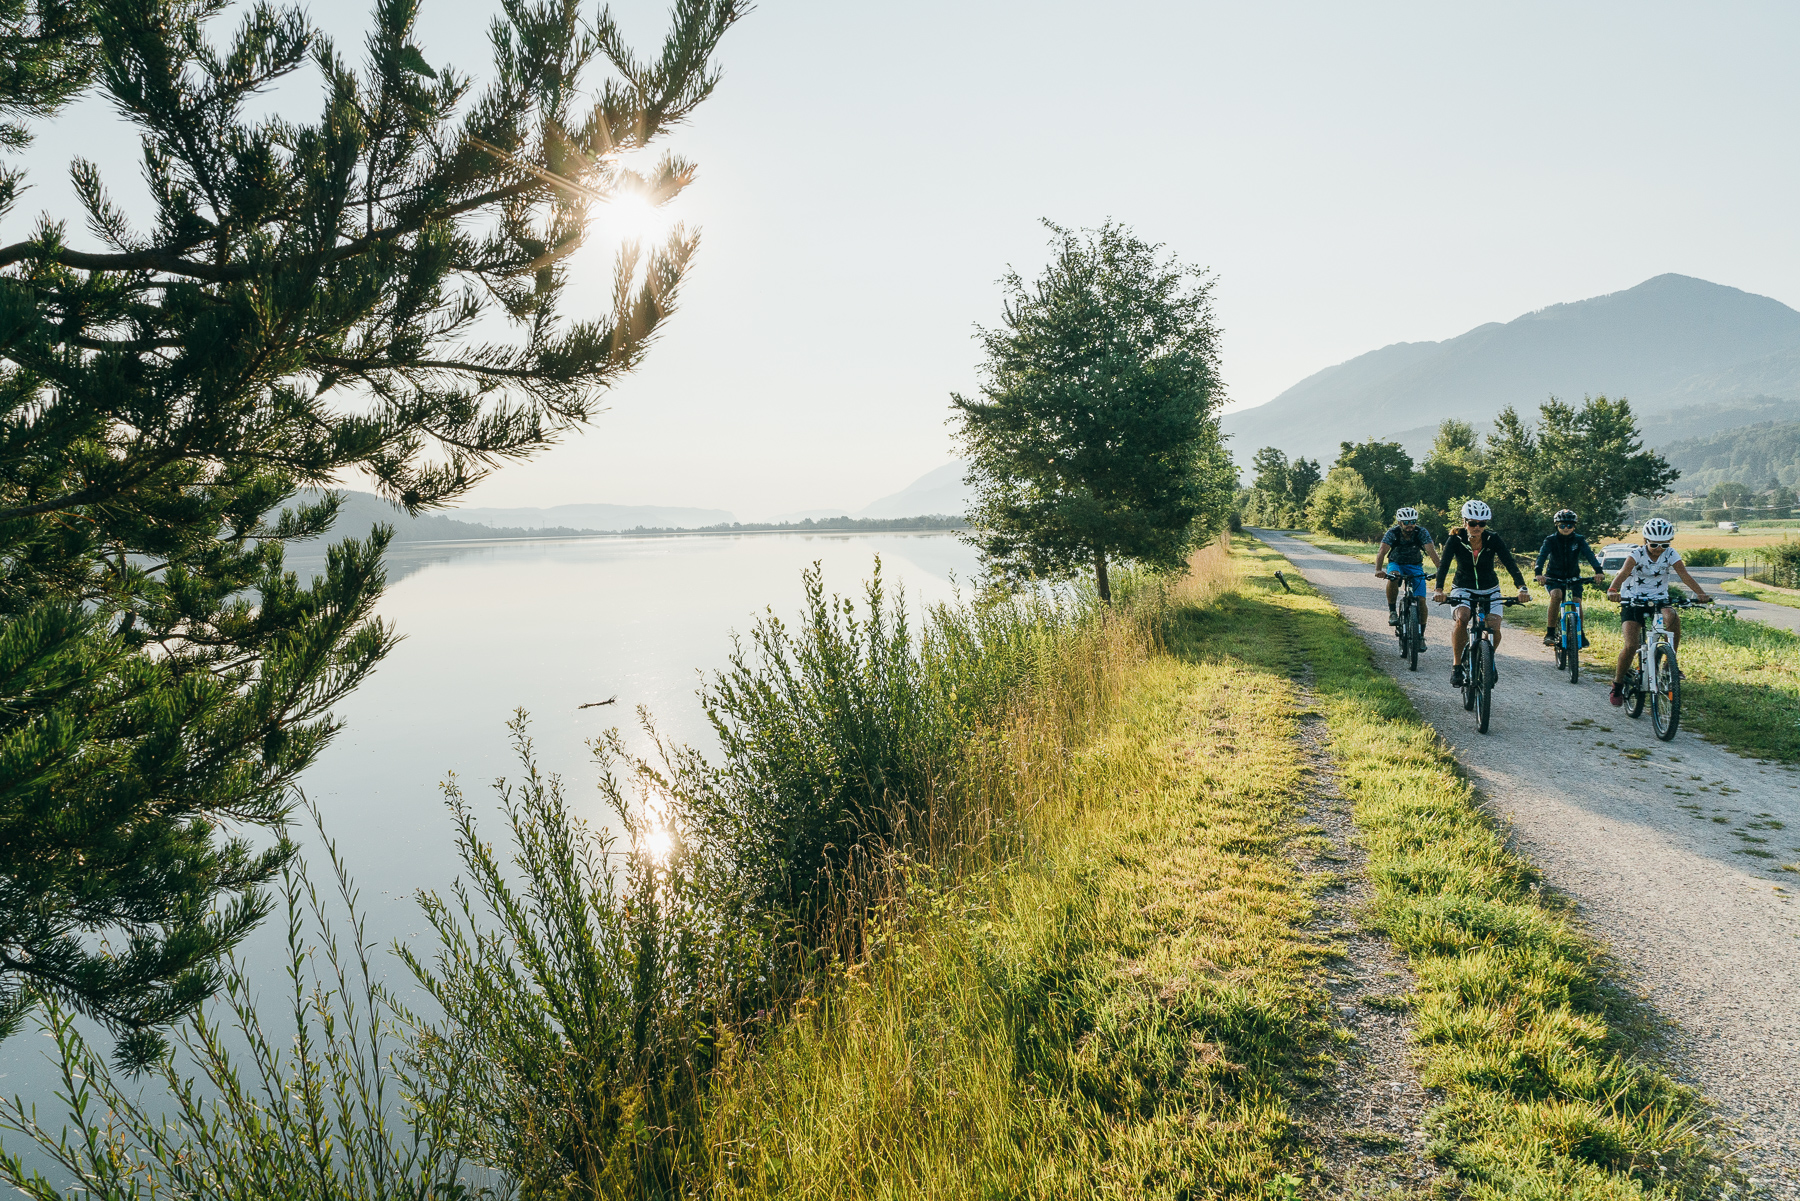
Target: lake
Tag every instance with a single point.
(548, 627)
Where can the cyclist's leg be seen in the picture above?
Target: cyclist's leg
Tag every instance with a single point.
(1459, 636)
(1553, 619)
(1418, 590)
(1633, 632)
(1672, 619)
(1393, 586)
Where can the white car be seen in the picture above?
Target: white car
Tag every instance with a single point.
(1612, 556)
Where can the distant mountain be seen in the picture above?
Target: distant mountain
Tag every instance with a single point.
(1670, 342)
(594, 517)
(1758, 455)
(940, 491)
(361, 510)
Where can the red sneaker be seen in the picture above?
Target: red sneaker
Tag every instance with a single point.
(1618, 695)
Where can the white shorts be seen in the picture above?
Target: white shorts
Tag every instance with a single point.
(1464, 598)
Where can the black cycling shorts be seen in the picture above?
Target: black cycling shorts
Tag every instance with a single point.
(1551, 584)
(1642, 612)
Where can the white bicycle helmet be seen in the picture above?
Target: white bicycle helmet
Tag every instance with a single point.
(1406, 514)
(1658, 529)
(1476, 510)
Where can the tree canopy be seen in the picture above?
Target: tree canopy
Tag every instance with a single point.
(1385, 467)
(376, 289)
(1095, 437)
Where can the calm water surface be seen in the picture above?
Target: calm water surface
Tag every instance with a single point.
(548, 627)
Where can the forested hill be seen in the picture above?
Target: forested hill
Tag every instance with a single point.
(1757, 455)
(1672, 341)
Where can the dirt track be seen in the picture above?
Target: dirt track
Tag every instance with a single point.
(1650, 840)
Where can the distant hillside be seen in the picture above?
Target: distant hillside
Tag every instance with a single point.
(940, 491)
(1758, 455)
(1671, 342)
(361, 510)
(594, 517)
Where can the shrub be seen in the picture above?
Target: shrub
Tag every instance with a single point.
(1706, 556)
(1784, 564)
(1345, 507)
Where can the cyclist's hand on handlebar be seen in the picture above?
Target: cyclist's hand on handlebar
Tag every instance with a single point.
(1538, 578)
(1381, 573)
(1599, 579)
(1612, 594)
(1524, 597)
(1438, 597)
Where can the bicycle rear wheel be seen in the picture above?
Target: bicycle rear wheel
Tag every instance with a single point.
(1634, 694)
(1484, 695)
(1665, 695)
(1572, 644)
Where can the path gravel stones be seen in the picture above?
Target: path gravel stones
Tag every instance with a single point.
(1671, 851)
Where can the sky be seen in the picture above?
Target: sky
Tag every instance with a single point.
(1355, 175)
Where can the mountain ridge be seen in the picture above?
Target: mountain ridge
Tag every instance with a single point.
(1672, 340)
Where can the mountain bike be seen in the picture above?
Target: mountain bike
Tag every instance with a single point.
(1568, 644)
(1478, 659)
(1411, 630)
(1657, 666)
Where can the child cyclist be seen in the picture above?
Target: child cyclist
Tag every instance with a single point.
(1403, 549)
(1642, 587)
(1560, 559)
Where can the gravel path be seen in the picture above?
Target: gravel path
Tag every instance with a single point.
(1656, 843)
(1776, 615)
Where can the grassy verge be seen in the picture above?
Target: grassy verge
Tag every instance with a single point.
(1763, 592)
(1741, 685)
(1356, 550)
(1119, 1012)
(1515, 1018)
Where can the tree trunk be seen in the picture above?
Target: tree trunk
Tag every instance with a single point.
(1100, 583)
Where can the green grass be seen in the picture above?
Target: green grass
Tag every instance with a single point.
(1741, 677)
(1516, 1017)
(1763, 592)
(1365, 551)
(1123, 1011)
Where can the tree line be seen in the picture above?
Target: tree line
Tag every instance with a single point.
(1586, 457)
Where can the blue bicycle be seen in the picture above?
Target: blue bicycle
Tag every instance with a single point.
(1569, 642)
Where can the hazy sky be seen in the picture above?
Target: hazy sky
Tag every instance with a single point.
(1355, 174)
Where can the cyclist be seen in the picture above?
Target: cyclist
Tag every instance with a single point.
(1403, 549)
(1562, 554)
(1642, 587)
(1473, 548)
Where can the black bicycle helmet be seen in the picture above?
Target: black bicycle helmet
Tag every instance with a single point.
(1565, 517)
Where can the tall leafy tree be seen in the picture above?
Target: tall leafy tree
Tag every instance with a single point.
(1095, 438)
(1591, 459)
(1385, 467)
(377, 288)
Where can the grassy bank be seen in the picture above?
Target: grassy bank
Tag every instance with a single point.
(1767, 593)
(1741, 677)
(1122, 1010)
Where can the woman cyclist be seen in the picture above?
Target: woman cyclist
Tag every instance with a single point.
(1403, 549)
(1473, 548)
(1560, 559)
(1642, 587)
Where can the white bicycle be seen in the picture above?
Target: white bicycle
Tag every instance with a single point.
(1657, 676)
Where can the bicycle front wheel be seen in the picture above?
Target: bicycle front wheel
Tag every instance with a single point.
(1665, 695)
(1411, 632)
(1484, 696)
(1572, 644)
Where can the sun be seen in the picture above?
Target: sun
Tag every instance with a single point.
(630, 217)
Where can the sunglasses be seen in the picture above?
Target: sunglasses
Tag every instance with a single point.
(1474, 523)
(1565, 525)
(1657, 545)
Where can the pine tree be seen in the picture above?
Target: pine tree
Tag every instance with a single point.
(375, 289)
(1096, 436)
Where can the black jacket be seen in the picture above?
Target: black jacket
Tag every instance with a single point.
(1564, 553)
(1473, 571)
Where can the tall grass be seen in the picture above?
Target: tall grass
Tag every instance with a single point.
(329, 1106)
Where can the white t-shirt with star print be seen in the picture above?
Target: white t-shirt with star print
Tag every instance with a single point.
(1649, 578)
